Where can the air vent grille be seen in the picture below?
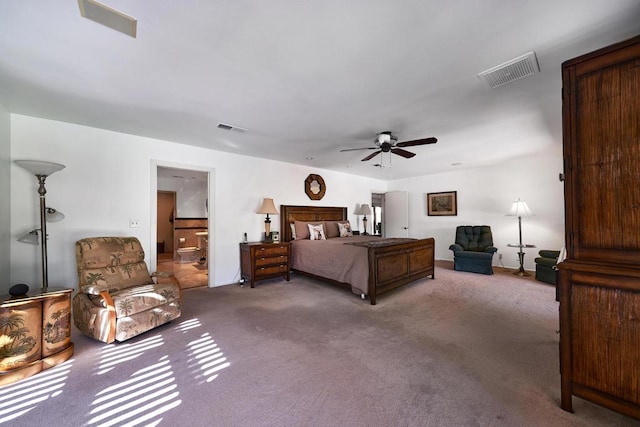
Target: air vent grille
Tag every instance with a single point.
(103, 14)
(226, 126)
(515, 69)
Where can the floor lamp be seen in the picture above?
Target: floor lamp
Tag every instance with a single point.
(42, 170)
(520, 209)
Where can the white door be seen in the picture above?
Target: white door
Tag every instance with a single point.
(396, 214)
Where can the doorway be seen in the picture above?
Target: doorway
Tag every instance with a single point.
(377, 205)
(396, 214)
(166, 208)
(181, 215)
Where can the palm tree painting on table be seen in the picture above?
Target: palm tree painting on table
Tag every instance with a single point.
(60, 329)
(14, 336)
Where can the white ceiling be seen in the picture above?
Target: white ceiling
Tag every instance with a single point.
(309, 78)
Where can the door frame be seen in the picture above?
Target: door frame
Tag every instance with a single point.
(174, 196)
(153, 256)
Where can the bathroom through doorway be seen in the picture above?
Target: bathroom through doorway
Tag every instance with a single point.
(182, 225)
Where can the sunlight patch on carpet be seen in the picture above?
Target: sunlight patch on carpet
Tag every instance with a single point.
(19, 398)
(206, 358)
(188, 324)
(141, 399)
(115, 354)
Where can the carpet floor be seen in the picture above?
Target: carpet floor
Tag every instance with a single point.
(461, 350)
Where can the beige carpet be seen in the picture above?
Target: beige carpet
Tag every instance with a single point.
(462, 350)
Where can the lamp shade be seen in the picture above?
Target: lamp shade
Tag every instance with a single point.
(365, 209)
(30, 238)
(268, 207)
(38, 167)
(54, 215)
(519, 208)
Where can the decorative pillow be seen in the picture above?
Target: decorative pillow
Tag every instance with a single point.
(331, 229)
(345, 229)
(316, 232)
(302, 229)
(293, 231)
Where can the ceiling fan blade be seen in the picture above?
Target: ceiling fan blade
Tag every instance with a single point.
(363, 148)
(371, 156)
(424, 141)
(404, 153)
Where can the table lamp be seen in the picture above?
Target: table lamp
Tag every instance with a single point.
(268, 208)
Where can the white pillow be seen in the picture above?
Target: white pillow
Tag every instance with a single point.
(345, 229)
(316, 232)
(293, 231)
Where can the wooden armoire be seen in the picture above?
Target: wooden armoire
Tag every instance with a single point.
(599, 282)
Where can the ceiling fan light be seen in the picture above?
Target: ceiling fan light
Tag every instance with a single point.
(384, 137)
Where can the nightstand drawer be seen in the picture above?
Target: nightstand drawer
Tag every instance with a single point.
(274, 269)
(270, 250)
(282, 259)
(260, 260)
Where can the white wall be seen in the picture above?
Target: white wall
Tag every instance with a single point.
(485, 196)
(107, 181)
(5, 194)
(191, 195)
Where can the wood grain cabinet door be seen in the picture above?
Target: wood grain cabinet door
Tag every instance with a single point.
(602, 156)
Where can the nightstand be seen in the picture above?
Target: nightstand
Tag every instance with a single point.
(259, 261)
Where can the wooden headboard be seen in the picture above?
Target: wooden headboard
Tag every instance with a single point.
(289, 214)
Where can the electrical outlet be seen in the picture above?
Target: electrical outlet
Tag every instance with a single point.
(134, 223)
(500, 256)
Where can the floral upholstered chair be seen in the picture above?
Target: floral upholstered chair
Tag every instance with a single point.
(117, 297)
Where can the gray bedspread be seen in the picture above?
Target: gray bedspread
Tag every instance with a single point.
(339, 258)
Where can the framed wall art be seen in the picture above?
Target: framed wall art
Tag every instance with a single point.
(442, 204)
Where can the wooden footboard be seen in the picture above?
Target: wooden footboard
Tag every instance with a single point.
(389, 266)
(399, 264)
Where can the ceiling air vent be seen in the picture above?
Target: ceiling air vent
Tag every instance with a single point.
(515, 69)
(103, 14)
(230, 127)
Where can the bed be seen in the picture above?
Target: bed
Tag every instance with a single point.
(367, 265)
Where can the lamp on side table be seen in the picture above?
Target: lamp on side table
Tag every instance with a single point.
(365, 210)
(520, 209)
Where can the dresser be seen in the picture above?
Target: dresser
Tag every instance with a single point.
(35, 332)
(599, 282)
(259, 261)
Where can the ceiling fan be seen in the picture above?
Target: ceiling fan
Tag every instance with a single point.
(387, 142)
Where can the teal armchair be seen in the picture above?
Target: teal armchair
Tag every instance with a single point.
(473, 249)
(546, 266)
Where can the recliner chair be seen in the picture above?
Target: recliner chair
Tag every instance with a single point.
(117, 297)
(473, 250)
(546, 266)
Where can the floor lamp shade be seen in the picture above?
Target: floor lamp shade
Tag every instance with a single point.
(520, 209)
(42, 170)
